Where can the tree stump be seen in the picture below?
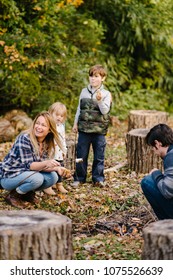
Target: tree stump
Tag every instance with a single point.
(146, 118)
(158, 241)
(34, 235)
(140, 156)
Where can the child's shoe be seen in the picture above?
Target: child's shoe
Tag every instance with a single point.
(49, 191)
(61, 188)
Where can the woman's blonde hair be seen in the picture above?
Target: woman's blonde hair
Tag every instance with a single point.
(51, 138)
(58, 108)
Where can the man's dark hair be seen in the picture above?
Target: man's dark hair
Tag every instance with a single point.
(160, 132)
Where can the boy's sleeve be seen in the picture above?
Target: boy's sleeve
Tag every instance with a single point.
(78, 110)
(165, 181)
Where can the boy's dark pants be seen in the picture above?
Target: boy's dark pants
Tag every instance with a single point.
(98, 142)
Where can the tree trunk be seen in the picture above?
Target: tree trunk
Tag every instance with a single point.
(140, 156)
(146, 118)
(158, 241)
(34, 235)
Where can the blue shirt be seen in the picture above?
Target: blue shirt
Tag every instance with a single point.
(20, 157)
(164, 180)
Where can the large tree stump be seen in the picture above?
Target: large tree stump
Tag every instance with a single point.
(158, 241)
(146, 118)
(34, 235)
(140, 156)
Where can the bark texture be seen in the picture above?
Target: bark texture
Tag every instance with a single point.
(35, 235)
(158, 241)
(69, 161)
(140, 156)
(146, 118)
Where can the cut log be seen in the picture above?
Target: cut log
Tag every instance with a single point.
(140, 156)
(158, 241)
(116, 167)
(12, 124)
(146, 118)
(35, 235)
(7, 131)
(19, 120)
(69, 161)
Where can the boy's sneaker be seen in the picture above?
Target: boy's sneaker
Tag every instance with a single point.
(100, 184)
(75, 184)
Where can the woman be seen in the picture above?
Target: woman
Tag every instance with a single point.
(30, 166)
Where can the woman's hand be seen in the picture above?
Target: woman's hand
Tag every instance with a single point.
(51, 163)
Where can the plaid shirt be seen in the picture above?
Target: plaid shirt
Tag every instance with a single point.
(20, 157)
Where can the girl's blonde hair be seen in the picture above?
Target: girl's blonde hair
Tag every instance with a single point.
(52, 137)
(58, 108)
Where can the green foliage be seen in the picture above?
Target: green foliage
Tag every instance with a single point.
(139, 43)
(47, 47)
(42, 59)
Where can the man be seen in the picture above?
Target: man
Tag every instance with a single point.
(158, 186)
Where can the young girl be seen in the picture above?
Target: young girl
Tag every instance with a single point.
(59, 114)
(30, 165)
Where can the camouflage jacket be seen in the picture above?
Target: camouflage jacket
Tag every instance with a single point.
(93, 116)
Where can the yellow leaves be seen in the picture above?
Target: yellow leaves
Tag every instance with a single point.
(75, 3)
(12, 55)
(2, 43)
(3, 30)
(37, 8)
(10, 49)
(36, 63)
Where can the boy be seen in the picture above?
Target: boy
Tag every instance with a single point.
(91, 122)
(158, 186)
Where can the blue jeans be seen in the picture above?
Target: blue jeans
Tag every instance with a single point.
(98, 142)
(30, 181)
(162, 207)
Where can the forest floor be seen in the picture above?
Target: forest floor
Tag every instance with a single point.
(107, 222)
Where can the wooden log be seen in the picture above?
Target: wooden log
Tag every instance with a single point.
(69, 161)
(7, 131)
(12, 124)
(35, 235)
(158, 241)
(145, 118)
(140, 156)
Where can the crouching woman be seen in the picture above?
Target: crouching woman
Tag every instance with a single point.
(30, 166)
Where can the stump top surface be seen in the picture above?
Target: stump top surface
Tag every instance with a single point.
(142, 132)
(163, 227)
(27, 219)
(147, 112)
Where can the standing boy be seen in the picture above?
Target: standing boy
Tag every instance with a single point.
(158, 185)
(91, 122)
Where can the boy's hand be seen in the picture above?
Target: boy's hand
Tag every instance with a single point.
(75, 128)
(98, 95)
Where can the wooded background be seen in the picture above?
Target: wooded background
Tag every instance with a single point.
(48, 46)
